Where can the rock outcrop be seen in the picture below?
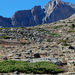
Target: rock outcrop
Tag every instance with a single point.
(53, 11)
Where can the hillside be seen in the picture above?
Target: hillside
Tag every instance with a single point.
(53, 42)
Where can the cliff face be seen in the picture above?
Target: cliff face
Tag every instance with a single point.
(53, 11)
(5, 22)
(27, 17)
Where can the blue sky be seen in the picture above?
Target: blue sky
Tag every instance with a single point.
(9, 7)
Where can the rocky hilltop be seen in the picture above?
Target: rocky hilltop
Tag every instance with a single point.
(53, 11)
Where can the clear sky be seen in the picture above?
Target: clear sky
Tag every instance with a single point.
(9, 7)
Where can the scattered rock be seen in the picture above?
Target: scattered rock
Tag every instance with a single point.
(71, 47)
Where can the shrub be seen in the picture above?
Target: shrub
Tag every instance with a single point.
(4, 28)
(54, 34)
(70, 31)
(26, 67)
(4, 37)
(55, 27)
(49, 40)
(72, 26)
(65, 44)
(61, 40)
(69, 22)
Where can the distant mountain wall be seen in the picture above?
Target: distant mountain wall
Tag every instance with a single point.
(53, 11)
(5, 22)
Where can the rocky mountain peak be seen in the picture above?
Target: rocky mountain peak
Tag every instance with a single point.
(36, 10)
(56, 10)
(53, 11)
(56, 1)
(52, 4)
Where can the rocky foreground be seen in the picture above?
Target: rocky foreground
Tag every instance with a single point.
(54, 42)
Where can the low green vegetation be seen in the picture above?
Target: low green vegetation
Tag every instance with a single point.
(55, 27)
(26, 67)
(40, 25)
(13, 27)
(49, 40)
(55, 22)
(72, 26)
(34, 47)
(43, 30)
(61, 40)
(74, 20)
(54, 34)
(70, 22)
(70, 31)
(4, 28)
(4, 37)
(65, 44)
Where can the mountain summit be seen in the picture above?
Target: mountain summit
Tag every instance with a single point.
(53, 11)
(56, 10)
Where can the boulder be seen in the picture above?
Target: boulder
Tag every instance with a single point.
(71, 47)
(56, 62)
(74, 69)
(36, 55)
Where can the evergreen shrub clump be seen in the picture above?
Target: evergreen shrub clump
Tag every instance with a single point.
(25, 67)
